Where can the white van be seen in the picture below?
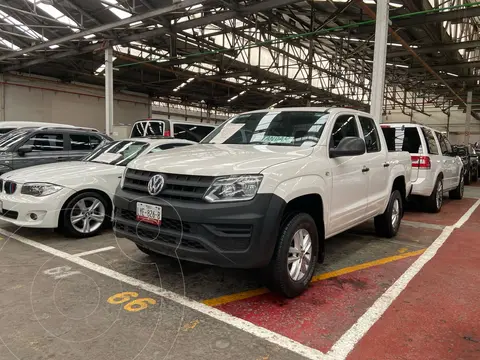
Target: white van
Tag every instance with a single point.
(171, 128)
(7, 126)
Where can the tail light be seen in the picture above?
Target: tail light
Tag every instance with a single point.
(421, 162)
(385, 126)
(166, 133)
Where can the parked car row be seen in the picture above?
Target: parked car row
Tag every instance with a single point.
(261, 191)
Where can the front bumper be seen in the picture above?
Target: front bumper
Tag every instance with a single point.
(18, 209)
(234, 235)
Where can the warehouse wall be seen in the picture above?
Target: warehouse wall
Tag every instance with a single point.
(438, 120)
(48, 100)
(24, 97)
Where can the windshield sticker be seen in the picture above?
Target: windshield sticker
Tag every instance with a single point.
(108, 157)
(226, 132)
(278, 139)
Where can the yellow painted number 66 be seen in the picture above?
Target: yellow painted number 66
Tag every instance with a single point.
(131, 306)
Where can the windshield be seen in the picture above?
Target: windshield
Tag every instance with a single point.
(117, 152)
(12, 138)
(276, 127)
(147, 128)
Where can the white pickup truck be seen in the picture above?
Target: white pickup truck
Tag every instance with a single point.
(264, 190)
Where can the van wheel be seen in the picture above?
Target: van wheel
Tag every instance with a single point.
(291, 268)
(434, 202)
(387, 224)
(457, 193)
(85, 215)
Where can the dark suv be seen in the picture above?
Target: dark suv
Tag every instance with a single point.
(470, 161)
(33, 146)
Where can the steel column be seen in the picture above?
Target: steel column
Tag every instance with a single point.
(379, 60)
(468, 117)
(2, 97)
(108, 90)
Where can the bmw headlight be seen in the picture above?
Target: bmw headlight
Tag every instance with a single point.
(40, 189)
(233, 188)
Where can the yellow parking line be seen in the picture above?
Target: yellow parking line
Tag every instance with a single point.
(250, 293)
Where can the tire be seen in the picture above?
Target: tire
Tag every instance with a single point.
(387, 224)
(95, 210)
(282, 277)
(434, 202)
(475, 175)
(457, 193)
(468, 177)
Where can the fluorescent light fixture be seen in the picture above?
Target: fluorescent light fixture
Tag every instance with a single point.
(54, 46)
(89, 36)
(136, 23)
(190, 80)
(452, 74)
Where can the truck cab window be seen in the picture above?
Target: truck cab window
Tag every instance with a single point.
(344, 126)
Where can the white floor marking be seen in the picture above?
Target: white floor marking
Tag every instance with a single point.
(91, 252)
(349, 340)
(241, 324)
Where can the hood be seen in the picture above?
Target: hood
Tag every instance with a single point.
(219, 159)
(62, 173)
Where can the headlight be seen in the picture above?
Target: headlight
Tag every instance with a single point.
(233, 188)
(40, 189)
(122, 180)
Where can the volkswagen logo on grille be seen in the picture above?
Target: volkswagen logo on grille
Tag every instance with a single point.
(155, 185)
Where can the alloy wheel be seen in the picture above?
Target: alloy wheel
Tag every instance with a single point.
(300, 255)
(395, 213)
(87, 215)
(439, 195)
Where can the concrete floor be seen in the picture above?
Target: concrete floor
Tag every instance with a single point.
(57, 306)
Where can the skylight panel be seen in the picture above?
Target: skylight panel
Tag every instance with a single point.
(56, 14)
(122, 14)
(21, 26)
(9, 44)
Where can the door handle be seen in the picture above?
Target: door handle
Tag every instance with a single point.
(386, 165)
(365, 169)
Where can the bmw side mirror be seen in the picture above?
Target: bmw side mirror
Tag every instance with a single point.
(349, 146)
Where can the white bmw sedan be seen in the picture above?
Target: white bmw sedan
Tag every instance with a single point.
(74, 196)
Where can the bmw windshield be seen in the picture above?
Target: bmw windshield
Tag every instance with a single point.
(275, 127)
(13, 138)
(117, 152)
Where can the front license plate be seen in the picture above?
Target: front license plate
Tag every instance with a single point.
(149, 213)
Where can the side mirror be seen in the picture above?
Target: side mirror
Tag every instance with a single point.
(349, 146)
(24, 149)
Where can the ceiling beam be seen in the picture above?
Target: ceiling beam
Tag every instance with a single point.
(102, 28)
(471, 45)
(463, 65)
(431, 18)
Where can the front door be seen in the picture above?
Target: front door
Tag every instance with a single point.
(46, 148)
(349, 180)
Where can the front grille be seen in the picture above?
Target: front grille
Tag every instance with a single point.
(167, 224)
(178, 187)
(9, 214)
(150, 232)
(10, 187)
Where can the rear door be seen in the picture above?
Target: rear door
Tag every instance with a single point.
(81, 144)
(405, 138)
(378, 173)
(47, 147)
